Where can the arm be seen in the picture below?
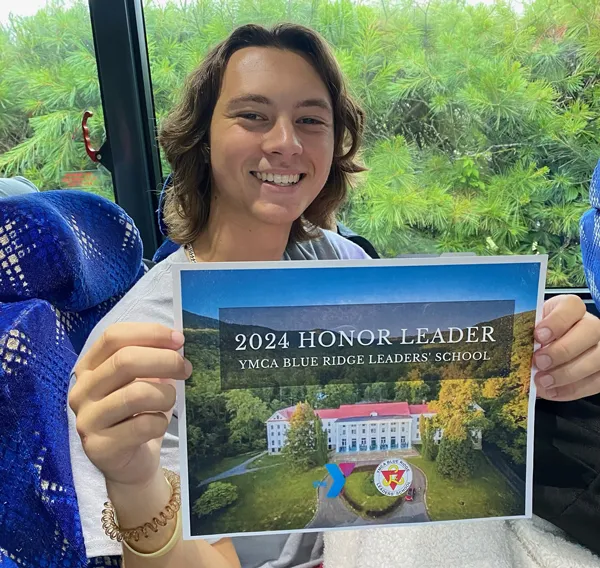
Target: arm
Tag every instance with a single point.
(134, 507)
(123, 399)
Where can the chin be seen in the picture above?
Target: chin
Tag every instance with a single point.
(277, 215)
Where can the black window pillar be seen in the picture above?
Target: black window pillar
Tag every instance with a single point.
(126, 90)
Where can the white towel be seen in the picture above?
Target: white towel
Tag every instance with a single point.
(524, 543)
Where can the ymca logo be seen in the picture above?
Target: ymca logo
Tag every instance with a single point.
(338, 473)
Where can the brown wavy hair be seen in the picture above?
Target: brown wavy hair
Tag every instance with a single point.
(184, 134)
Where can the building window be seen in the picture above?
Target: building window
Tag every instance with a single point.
(272, 427)
(353, 430)
(363, 441)
(392, 429)
(373, 442)
(373, 429)
(364, 430)
(402, 429)
(383, 429)
(329, 430)
(343, 442)
(382, 441)
(329, 441)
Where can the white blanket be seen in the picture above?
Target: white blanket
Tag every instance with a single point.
(479, 544)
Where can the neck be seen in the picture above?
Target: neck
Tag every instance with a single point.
(229, 239)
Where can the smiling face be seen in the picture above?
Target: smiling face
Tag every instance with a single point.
(271, 137)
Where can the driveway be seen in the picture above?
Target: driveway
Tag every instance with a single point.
(335, 513)
(237, 470)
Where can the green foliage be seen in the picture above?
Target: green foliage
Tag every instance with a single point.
(362, 494)
(321, 454)
(482, 128)
(456, 458)
(429, 449)
(247, 420)
(301, 442)
(218, 495)
(506, 400)
(412, 388)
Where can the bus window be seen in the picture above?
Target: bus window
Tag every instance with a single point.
(48, 79)
(482, 129)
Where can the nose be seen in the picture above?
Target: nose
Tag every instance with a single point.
(282, 140)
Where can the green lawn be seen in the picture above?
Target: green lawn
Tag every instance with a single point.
(226, 463)
(267, 460)
(361, 489)
(270, 499)
(485, 495)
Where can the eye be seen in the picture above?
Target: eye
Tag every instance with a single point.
(311, 121)
(250, 116)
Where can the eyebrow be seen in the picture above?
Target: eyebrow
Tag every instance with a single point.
(262, 100)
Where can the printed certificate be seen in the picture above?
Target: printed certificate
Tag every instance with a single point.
(337, 394)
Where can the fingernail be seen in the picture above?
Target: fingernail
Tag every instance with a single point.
(543, 334)
(177, 338)
(187, 366)
(551, 393)
(546, 381)
(543, 362)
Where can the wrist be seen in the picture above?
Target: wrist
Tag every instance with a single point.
(138, 504)
(148, 507)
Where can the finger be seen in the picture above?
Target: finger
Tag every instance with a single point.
(561, 313)
(132, 363)
(579, 368)
(134, 398)
(124, 438)
(573, 391)
(581, 337)
(120, 335)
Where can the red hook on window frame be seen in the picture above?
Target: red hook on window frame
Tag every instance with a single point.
(93, 154)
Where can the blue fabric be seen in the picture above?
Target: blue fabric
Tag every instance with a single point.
(590, 238)
(40, 511)
(167, 248)
(76, 250)
(66, 257)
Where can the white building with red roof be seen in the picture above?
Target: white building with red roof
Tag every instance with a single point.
(359, 427)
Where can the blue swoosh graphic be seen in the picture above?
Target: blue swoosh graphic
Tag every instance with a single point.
(338, 479)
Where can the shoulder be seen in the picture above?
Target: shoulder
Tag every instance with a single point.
(327, 246)
(345, 248)
(150, 300)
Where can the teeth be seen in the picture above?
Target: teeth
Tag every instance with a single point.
(278, 178)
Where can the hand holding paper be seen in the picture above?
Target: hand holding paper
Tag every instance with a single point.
(124, 396)
(569, 360)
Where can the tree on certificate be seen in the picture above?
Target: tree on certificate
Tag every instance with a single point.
(321, 451)
(247, 420)
(301, 443)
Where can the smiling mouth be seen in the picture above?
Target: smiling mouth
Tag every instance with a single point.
(278, 179)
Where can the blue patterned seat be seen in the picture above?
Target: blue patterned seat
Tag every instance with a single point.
(590, 238)
(66, 257)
